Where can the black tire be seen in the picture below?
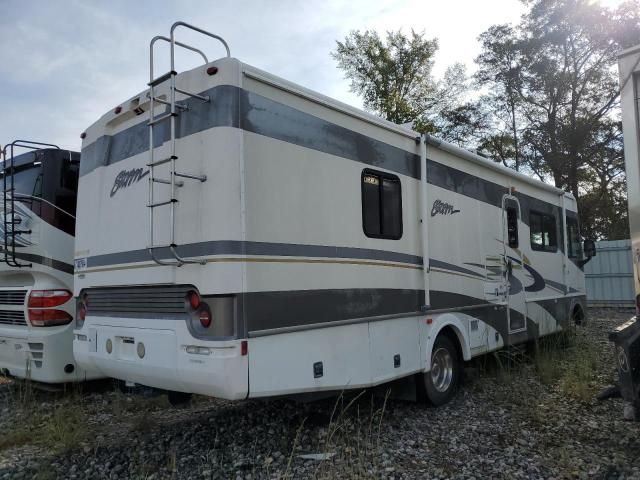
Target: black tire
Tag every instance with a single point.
(178, 399)
(577, 316)
(440, 385)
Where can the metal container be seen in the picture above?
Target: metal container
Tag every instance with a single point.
(626, 338)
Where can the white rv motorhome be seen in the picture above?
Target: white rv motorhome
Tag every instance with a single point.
(241, 236)
(36, 262)
(629, 67)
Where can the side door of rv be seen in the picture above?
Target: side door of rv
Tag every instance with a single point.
(514, 261)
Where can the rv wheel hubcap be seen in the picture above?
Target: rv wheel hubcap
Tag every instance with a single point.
(441, 369)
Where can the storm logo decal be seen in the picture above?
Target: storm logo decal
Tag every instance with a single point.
(442, 208)
(127, 178)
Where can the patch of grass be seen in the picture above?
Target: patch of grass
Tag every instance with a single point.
(548, 367)
(570, 362)
(15, 438)
(578, 379)
(64, 429)
(350, 442)
(551, 354)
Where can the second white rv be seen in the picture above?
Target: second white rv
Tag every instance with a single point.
(241, 236)
(37, 218)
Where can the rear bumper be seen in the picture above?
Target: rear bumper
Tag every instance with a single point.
(44, 356)
(167, 358)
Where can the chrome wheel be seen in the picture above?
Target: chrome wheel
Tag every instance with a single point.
(441, 369)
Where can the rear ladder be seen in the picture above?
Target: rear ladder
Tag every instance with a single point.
(176, 178)
(9, 223)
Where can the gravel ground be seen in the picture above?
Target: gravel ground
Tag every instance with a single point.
(517, 416)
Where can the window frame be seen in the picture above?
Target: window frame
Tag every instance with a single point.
(544, 248)
(570, 254)
(509, 209)
(381, 176)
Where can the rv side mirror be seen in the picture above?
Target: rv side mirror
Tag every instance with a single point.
(589, 249)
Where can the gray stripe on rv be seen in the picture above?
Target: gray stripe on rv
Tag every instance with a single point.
(238, 108)
(237, 247)
(46, 261)
(267, 313)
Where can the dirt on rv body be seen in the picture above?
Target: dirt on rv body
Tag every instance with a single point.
(523, 416)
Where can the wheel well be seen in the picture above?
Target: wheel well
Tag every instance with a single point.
(450, 332)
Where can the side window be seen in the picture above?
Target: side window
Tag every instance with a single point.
(543, 232)
(381, 205)
(512, 227)
(573, 237)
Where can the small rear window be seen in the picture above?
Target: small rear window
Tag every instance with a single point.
(381, 205)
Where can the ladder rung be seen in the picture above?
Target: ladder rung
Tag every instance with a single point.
(162, 118)
(159, 100)
(18, 232)
(162, 78)
(164, 102)
(177, 183)
(166, 245)
(202, 178)
(160, 162)
(204, 98)
(160, 204)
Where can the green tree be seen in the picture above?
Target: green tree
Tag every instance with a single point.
(552, 80)
(394, 76)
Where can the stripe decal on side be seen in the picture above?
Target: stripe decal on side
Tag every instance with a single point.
(46, 261)
(237, 247)
(238, 108)
(307, 309)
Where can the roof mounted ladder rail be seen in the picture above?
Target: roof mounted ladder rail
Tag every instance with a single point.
(174, 110)
(9, 232)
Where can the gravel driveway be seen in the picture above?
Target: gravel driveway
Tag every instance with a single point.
(517, 415)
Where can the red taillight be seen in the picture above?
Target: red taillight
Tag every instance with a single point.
(48, 298)
(212, 70)
(194, 299)
(82, 311)
(244, 347)
(48, 318)
(205, 318)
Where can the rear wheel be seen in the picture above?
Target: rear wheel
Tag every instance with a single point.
(441, 382)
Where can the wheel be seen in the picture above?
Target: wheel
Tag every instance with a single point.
(577, 316)
(177, 399)
(441, 382)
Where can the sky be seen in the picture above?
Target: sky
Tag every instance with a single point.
(64, 63)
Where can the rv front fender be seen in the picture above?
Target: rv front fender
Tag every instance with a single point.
(447, 324)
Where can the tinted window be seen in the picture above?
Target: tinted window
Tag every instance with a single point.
(50, 175)
(512, 227)
(543, 232)
(381, 205)
(27, 180)
(573, 237)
